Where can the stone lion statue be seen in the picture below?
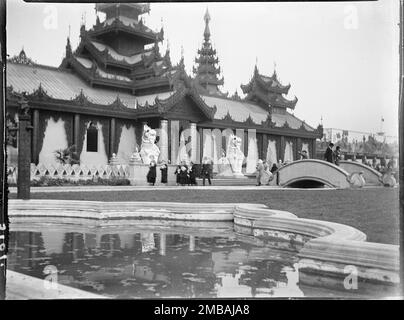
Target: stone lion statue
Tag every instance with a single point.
(148, 149)
(235, 155)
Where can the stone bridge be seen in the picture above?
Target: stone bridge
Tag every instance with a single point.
(311, 172)
(371, 176)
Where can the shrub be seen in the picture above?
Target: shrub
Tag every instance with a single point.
(46, 181)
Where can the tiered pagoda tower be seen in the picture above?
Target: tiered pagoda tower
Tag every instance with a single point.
(268, 92)
(112, 54)
(207, 71)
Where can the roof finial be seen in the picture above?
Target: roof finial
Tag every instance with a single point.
(206, 17)
(274, 69)
(256, 66)
(182, 52)
(69, 30)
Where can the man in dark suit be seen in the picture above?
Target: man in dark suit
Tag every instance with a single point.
(329, 153)
(206, 170)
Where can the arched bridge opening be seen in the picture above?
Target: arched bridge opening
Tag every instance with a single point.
(311, 173)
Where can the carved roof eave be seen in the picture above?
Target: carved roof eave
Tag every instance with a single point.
(246, 88)
(40, 99)
(104, 56)
(137, 30)
(263, 127)
(268, 122)
(279, 88)
(165, 105)
(91, 76)
(291, 104)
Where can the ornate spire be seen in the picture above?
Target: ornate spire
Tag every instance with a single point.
(206, 34)
(207, 70)
(68, 46)
(274, 75)
(21, 58)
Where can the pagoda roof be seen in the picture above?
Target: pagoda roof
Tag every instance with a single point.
(64, 85)
(133, 59)
(241, 111)
(140, 8)
(128, 25)
(268, 90)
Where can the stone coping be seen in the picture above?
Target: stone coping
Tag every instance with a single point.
(52, 189)
(22, 287)
(322, 246)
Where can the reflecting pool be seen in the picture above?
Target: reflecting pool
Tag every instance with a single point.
(153, 262)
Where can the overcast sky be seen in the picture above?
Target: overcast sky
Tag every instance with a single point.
(341, 59)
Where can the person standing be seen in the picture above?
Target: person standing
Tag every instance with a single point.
(163, 170)
(192, 174)
(183, 175)
(329, 153)
(337, 155)
(151, 175)
(383, 162)
(260, 171)
(206, 170)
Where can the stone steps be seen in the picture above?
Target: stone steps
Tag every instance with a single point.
(230, 181)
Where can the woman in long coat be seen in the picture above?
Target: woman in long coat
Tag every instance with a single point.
(192, 174)
(183, 175)
(151, 175)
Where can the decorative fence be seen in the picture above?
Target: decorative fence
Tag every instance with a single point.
(72, 172)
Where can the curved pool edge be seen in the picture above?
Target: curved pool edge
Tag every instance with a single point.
(23, 287)
(325, 247)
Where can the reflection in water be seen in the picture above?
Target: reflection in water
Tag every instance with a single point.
(150, 264)
(144, 263)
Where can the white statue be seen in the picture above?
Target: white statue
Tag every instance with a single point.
(235, 155)
(357, 180)
(389, 180)
(148, 150)
(223, 165)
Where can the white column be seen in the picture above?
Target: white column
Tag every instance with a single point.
(192, 243)
(207, 143)
(163, 142)
(252, 156)
(175, 129)
(162, 248)
(194, 142)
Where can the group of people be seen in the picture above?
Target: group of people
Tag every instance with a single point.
(263, 174)
(185, 174)
(333, 156)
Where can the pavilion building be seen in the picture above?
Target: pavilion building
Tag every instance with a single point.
(117, 80)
